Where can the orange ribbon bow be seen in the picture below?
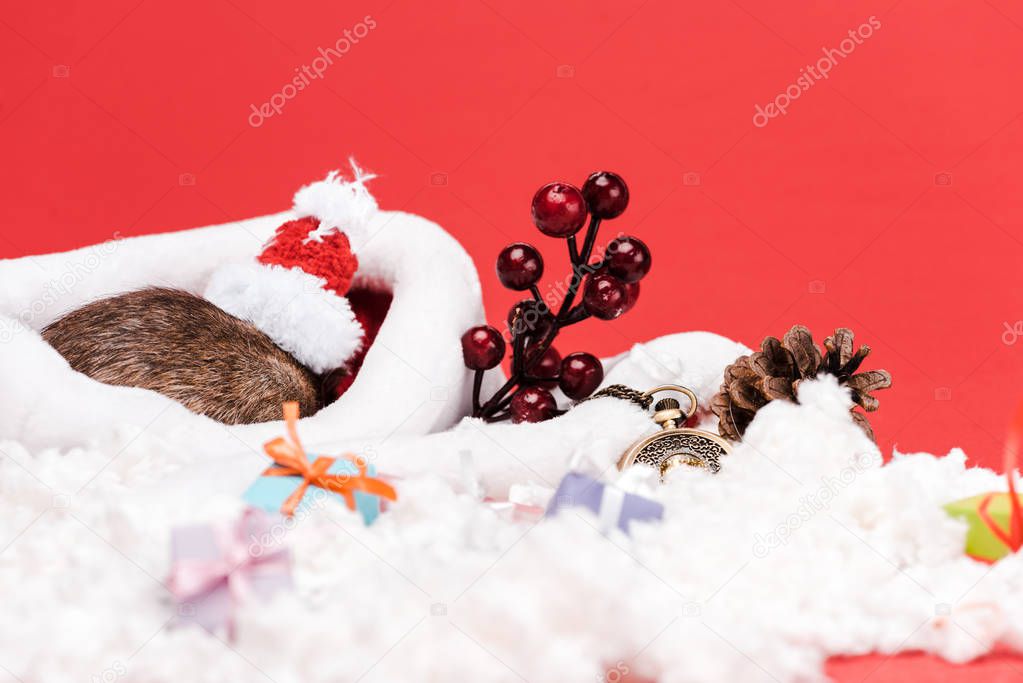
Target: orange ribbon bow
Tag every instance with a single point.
(291, 460)
(1013, 536)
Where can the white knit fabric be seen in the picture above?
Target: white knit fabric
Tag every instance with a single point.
(291, 307)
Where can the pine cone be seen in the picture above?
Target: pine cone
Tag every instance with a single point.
(777, 369)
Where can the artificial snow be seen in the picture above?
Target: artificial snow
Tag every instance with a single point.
(803, 547)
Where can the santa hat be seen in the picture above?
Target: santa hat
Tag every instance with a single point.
(295, 290)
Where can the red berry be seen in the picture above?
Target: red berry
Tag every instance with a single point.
(559, 209)
(548, 367)
(519, 266)
(606, 194)
(628, 259)
(604, 296)
(581, 374)
(632, 294)
(530, 317)
(482, 347)
(533, 404)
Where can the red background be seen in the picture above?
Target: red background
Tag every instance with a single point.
(133, 117)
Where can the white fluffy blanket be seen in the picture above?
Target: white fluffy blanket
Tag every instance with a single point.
(804, 546)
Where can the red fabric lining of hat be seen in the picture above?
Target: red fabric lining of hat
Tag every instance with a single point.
(370, 308)
(329, 257)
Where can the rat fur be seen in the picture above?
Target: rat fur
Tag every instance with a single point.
(184, 347)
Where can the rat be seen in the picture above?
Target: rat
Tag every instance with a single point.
(183, 346)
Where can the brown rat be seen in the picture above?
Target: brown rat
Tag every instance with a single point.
(186, 348)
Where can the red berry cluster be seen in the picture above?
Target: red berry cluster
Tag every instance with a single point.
(610, 287)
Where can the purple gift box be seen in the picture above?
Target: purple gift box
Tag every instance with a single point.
(213, 569)
(613, 506)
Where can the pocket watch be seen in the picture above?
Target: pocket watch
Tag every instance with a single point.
(674, 445)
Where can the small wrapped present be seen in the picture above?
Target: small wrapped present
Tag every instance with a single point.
(515, 512)
(525, 503)
(989, 516)
(213, 569)
(285, 485)
(519, 506)
(613, 506)
(995, 520)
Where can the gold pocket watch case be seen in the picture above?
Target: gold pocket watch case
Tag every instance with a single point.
(674, 446)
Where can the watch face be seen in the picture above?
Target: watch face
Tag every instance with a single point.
(675, 447)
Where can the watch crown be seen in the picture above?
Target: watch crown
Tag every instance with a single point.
(666, 404)
(668, 414)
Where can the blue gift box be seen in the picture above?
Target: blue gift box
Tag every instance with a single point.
(613, 506)
(270, 492)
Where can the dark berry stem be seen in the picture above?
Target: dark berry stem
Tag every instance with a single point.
(576, 315)
(518, 347)
(579, 266)
(477, 384)
(591, 239)
(573, 250)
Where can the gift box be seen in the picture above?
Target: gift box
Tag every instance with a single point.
(296, 484)
(995, 520)
(613, 506)
(271, 492)
(214, 569)
(515, 512)
(989, 516)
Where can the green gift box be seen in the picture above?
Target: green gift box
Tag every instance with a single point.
(990, 535)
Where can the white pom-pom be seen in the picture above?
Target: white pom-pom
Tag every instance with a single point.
(339, 204)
